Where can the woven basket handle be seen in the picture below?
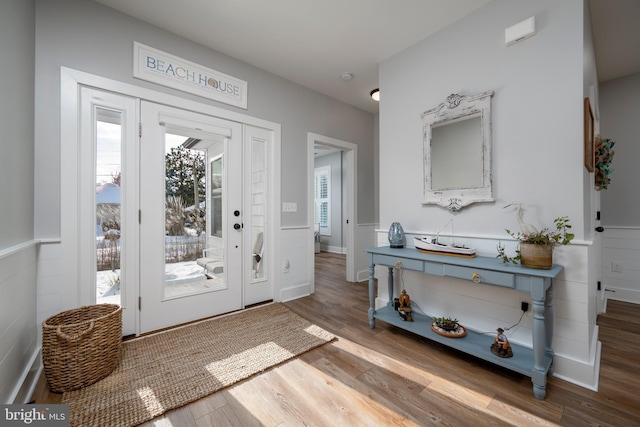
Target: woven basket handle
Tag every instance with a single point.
(73, 337)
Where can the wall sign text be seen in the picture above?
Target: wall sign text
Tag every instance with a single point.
(164, 69)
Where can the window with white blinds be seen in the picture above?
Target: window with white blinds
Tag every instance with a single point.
(322, 199)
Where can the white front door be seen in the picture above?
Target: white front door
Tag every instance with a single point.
(121, 245)
(192, 221)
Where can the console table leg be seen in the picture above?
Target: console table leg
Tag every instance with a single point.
(390, 286)
(548, 319)
(372, 296)
(539, 373)
(539, 391)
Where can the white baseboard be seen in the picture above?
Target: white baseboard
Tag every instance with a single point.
(625, 295)
(362, 275)
(294, 292)
(28, 380)
(583, 374)
(333, 249)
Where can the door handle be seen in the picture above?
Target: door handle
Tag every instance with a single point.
(599, 229)
(237, 226)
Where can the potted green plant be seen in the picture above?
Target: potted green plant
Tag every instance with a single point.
(536, 248)
(448, 327)
(446, 323)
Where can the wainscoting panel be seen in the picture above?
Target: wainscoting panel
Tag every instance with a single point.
(365, 238)
(18, 331)
(293, 268)
(621, 263)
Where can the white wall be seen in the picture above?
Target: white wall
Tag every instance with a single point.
(376, 166)
(19, 345)
(538, 95)
(619, 120)
(16, 119)
(537, 159)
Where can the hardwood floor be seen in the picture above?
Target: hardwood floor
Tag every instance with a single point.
(387, 377)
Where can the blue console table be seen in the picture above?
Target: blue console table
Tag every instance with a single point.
(534, 362)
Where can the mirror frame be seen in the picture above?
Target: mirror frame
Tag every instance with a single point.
(455, 107)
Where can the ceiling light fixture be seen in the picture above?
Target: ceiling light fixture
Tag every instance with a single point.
(375, 94)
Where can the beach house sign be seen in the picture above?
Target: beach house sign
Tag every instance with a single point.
(164, 69)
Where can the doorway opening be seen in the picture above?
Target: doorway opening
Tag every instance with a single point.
(345, 160)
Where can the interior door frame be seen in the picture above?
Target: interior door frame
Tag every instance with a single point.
(351, 156)
(71, 81)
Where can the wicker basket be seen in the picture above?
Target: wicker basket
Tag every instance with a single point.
(81, 346)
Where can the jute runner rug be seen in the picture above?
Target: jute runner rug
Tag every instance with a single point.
(170, 369)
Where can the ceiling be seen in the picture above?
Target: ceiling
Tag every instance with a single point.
(616, 32)
(313, 43)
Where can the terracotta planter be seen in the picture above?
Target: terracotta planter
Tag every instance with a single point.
(536, 256)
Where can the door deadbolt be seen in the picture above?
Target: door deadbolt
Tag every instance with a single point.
(236, 213)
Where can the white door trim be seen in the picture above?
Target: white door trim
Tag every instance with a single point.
(92, 99)
(70, 82)
(351, 153)
(261, 289)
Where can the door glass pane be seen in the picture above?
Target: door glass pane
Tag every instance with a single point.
(214, 254)
(191, 264)
(108, 218)
(216, 197)
(258, 208)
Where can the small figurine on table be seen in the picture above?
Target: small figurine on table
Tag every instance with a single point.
(501, 346)
(404, 306)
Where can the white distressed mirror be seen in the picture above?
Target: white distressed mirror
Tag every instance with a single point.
(457, 151)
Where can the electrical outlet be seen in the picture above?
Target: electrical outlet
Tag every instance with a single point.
(616, 267)
(285, 266)
(524, 306)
